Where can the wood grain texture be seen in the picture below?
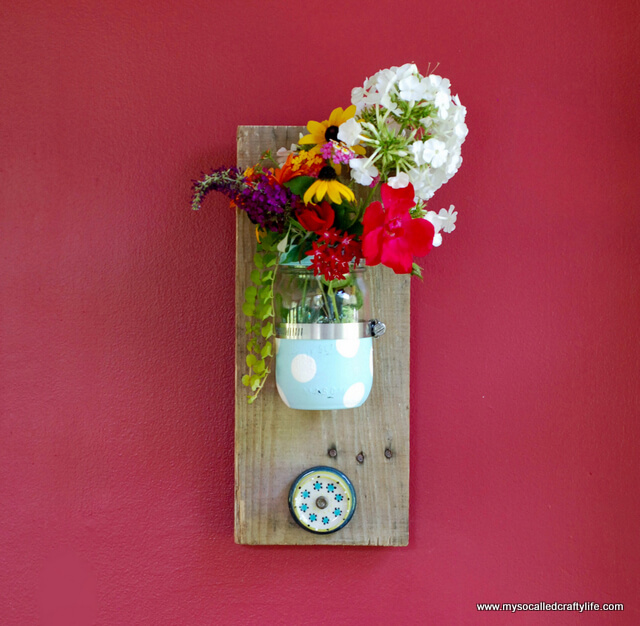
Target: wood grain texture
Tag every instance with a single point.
(273, 444)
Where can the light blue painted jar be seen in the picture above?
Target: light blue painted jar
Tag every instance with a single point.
(324, 340)
(324, 374)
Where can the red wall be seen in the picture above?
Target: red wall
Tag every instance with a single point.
(116, 427)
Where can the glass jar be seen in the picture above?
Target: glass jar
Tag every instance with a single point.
(324, 331)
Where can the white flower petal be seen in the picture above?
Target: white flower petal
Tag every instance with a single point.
(360, 172)
(349, 132)
(400, 181)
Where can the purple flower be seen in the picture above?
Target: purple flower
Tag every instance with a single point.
(267, 203)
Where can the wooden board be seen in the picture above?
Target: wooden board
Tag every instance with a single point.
(274, 444)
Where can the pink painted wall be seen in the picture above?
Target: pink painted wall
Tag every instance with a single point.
(116, 426)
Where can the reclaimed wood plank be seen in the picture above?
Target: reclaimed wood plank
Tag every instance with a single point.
(273, 444)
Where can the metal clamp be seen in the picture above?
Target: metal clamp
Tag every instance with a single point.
(351, 330)
(377, 327)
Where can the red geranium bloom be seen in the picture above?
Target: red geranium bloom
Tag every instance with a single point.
(391, 236)
(316, 218)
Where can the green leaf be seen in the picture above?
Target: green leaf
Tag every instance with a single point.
(248, 309)
(266, 350)
(291, 256)
(282, 246)
(255, 277)
(416, 270)
(250, 293)
(300, 184)
(336, 284)
(255, 381)
(258, 368)
(267, 330)
(270, 260)
(269, 241)
(345, 215)
(246, 380)
(251, 360)
(258, 261)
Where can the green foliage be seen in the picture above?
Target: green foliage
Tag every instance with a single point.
(296, 253)
(292, 255)
(258, 306)
(300, 184)
(356, 229)
(346, 216)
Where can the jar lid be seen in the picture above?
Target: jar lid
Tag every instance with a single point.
(322, 500)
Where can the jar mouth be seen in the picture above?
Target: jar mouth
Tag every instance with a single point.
(296, 269)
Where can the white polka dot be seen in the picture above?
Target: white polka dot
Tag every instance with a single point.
(281, 393)
(353, 395)
(277, 342)
(371, 362)
(303, 368)
(348, 348)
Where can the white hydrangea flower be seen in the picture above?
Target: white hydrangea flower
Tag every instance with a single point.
(435, 152)
(432, 217)
(399, 181)
(386, 100)
(349, 132)
(412, 89)
(362, 97)
(422, 185)
(436, 83)
(362, 173)
(432, 161)
(417, 149)
(448, 217)
(443, 102)
(406, 70)
(385, 79)
(444, 220)
(453, 164)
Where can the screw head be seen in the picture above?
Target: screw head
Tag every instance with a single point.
(388, 453)
(333, 453)
(321, 502)
(360, 457)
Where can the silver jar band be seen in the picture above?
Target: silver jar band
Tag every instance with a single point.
(354, 330)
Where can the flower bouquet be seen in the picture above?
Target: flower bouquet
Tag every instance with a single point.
(352, 192)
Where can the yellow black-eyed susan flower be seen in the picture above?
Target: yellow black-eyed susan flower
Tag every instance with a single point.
(329, 185)
(322, 132)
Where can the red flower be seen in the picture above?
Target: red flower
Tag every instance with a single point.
(332, 253)
(316, 218)
(391, 236)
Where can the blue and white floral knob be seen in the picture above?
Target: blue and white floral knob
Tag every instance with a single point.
(322, 500)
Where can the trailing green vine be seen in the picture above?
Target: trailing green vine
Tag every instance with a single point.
(258, 307)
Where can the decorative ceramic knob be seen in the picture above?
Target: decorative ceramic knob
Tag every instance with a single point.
(322, 500)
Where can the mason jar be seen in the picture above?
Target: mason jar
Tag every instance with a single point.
(324, 333)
